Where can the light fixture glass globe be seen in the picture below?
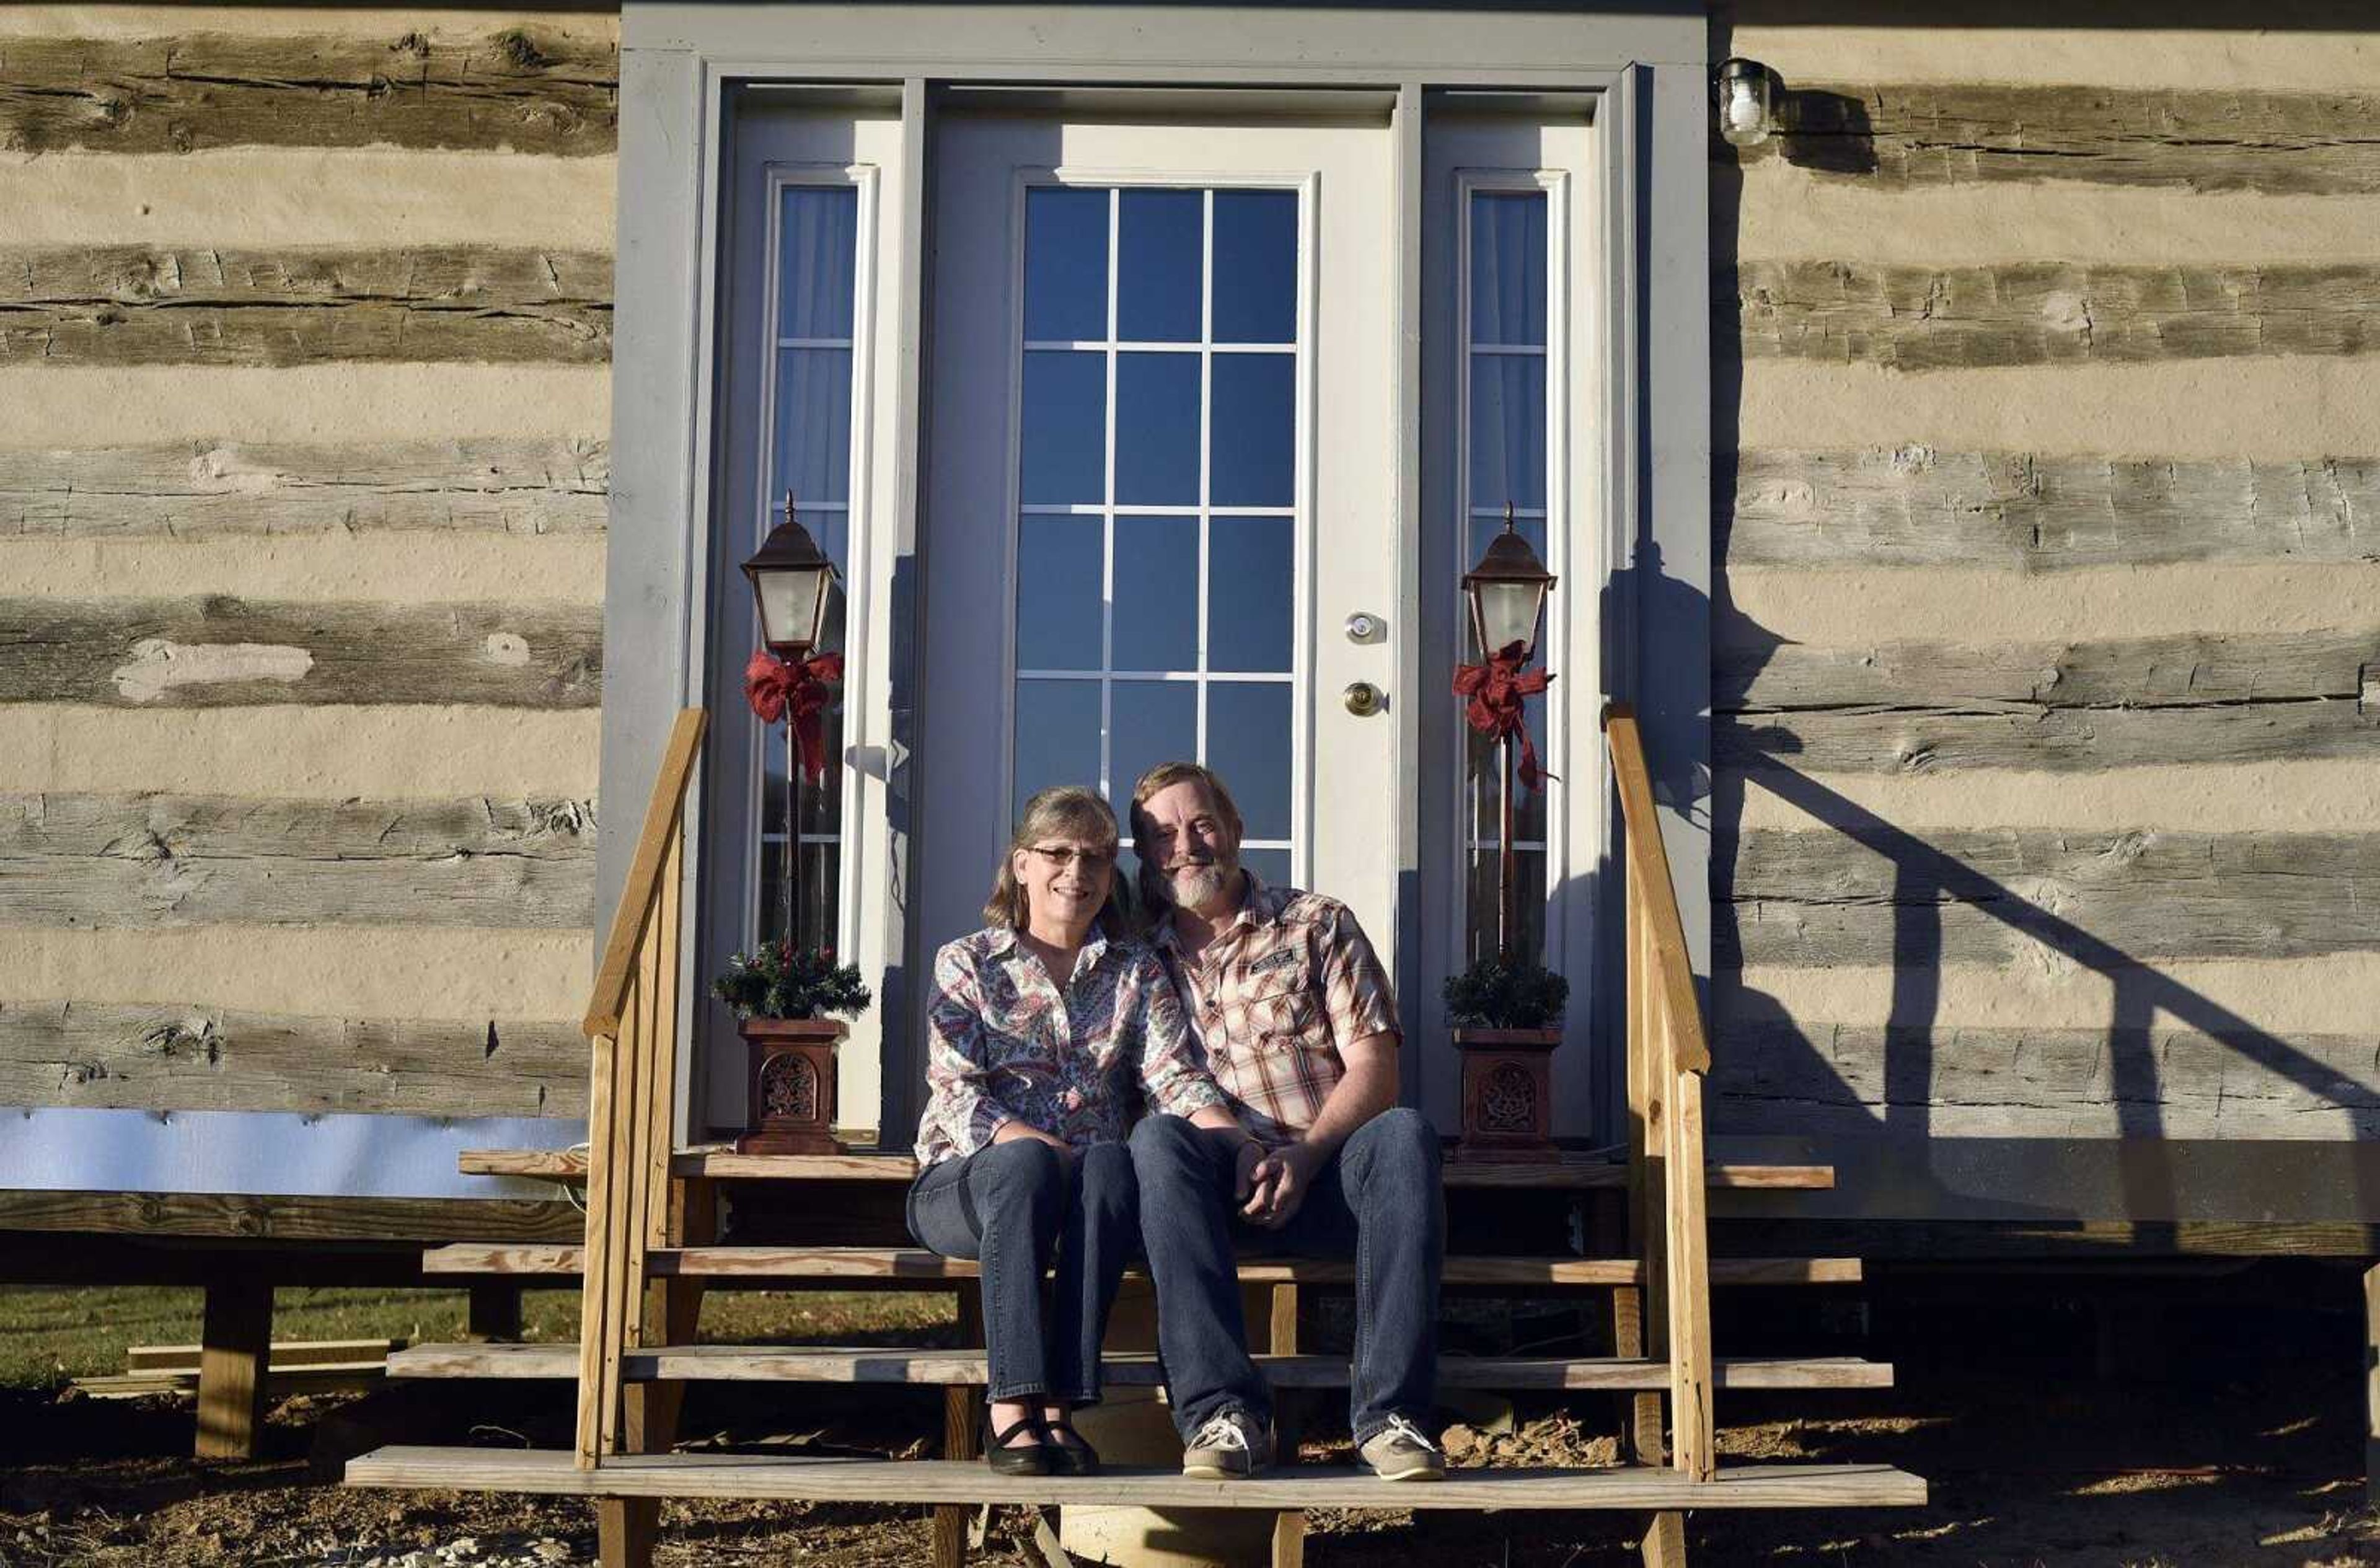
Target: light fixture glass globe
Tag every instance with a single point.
(1746, 110)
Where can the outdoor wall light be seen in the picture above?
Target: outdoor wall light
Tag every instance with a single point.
(1745, 94)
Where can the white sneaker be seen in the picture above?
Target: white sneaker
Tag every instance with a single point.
(1231, 1446)
(1399, 1452)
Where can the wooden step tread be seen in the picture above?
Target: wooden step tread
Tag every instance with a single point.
(898, 1266)
(808, 1364)
(1588, 1171)
(554, 1471)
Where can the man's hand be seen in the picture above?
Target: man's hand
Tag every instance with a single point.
(1280, 1180)
(1245, 1165)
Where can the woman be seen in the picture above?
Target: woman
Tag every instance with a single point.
(1045, 1030)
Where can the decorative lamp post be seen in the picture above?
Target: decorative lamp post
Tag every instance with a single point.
(1506, 1013)
(1507, 592)
(790, 1081)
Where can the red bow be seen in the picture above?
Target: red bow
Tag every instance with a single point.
(776, 689)
(1495, 690)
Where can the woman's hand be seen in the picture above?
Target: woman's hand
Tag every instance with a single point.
(1015, 1129)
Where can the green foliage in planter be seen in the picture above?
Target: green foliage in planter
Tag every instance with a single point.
(777, 981)
(1492, 994)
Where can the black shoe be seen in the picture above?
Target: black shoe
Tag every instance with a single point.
(1069, 1455)
(1027, 1459)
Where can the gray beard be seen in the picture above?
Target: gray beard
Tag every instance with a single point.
(1188, 890)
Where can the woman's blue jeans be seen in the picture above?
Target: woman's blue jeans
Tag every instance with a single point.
(1021, 1208)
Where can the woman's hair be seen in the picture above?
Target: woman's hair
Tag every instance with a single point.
(1156, 781)
(1063, 811)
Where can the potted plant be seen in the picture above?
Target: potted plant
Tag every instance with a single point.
(1507, 1021)
(782, 996)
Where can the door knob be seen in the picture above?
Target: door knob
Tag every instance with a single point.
(1364, 699)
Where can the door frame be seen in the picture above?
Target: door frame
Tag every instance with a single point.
(1647, 81)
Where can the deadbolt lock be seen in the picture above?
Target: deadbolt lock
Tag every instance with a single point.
(1364, 699)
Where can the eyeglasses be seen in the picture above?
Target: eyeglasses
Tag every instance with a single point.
(1060, 856)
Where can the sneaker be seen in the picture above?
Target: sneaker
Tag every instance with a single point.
(1399, 1452)
(1231, 1446)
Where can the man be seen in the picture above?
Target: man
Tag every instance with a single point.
(1295, 1018)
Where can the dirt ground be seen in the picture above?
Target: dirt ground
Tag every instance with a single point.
(2188, 1422)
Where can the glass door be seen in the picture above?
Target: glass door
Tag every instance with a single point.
(1159, 486)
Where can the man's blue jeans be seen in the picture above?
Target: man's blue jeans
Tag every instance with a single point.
(1378, 1199)
(1019, 1209)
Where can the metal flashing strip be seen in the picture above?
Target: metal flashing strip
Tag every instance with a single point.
(79, 1149)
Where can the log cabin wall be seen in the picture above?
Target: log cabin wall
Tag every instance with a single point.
(2048, 658)
(304, 320)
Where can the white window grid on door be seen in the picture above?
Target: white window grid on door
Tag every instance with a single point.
(1554, 645)
(853, 510)
(1300, 514)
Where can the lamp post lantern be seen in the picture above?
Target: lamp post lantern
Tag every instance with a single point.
(794, 589)
(1507, 595)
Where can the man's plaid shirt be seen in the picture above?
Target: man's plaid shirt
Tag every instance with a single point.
(1273, 999)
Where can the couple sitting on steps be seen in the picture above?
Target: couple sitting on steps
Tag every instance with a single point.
(1258, 1028)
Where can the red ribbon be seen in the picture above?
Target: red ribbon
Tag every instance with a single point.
(776, 689)
(1495, 690)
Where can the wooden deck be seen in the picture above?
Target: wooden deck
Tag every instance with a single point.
(964, 1368)
(1579, 1173)
(896, 1267)
(555, 1472)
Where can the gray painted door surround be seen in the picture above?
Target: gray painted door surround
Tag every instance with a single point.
(1641, 73)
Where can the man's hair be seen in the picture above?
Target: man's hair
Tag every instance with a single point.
(1154, 894)
(1068, 810)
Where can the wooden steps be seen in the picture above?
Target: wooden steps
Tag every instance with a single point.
(899, 1267)
(1575, 1172)
(964, 1368)
(786, 1478)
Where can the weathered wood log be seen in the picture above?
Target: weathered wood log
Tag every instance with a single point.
(1918, 507)
(2044, 312)
(528, 91)
(2055, 741)
(254, 1218)
(207, 489)
(206, 1058)
(1754, 674)
(2105, 900)
(131, 305)
(1843, 1079)
(99, 860)
(2199, 138)
(218, 651)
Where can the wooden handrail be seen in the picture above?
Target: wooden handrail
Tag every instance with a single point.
(1674, 969)
(663, 813)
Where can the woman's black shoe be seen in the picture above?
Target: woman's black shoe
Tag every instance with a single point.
(1069, 1455)
(1027, 1459)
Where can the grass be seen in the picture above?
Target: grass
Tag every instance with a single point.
(49, 1334)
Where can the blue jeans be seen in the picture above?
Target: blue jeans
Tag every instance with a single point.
(1017, 1209)
(1378, 1199)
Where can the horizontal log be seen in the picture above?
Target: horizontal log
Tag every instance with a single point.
(1843, 1079)
(89, 861)
(2106, 901)
(1753, 673)
(204, 1058)
(298, 1219)
(1925, 134)
(217, 651)
(2026, 512)
(2056, 740)
(527, 90)
(1920, 706)
(2046, 313)
(208, 489)
(133, 305)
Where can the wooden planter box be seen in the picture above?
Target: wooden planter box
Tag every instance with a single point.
(1507, 1094)
(789, 1085)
